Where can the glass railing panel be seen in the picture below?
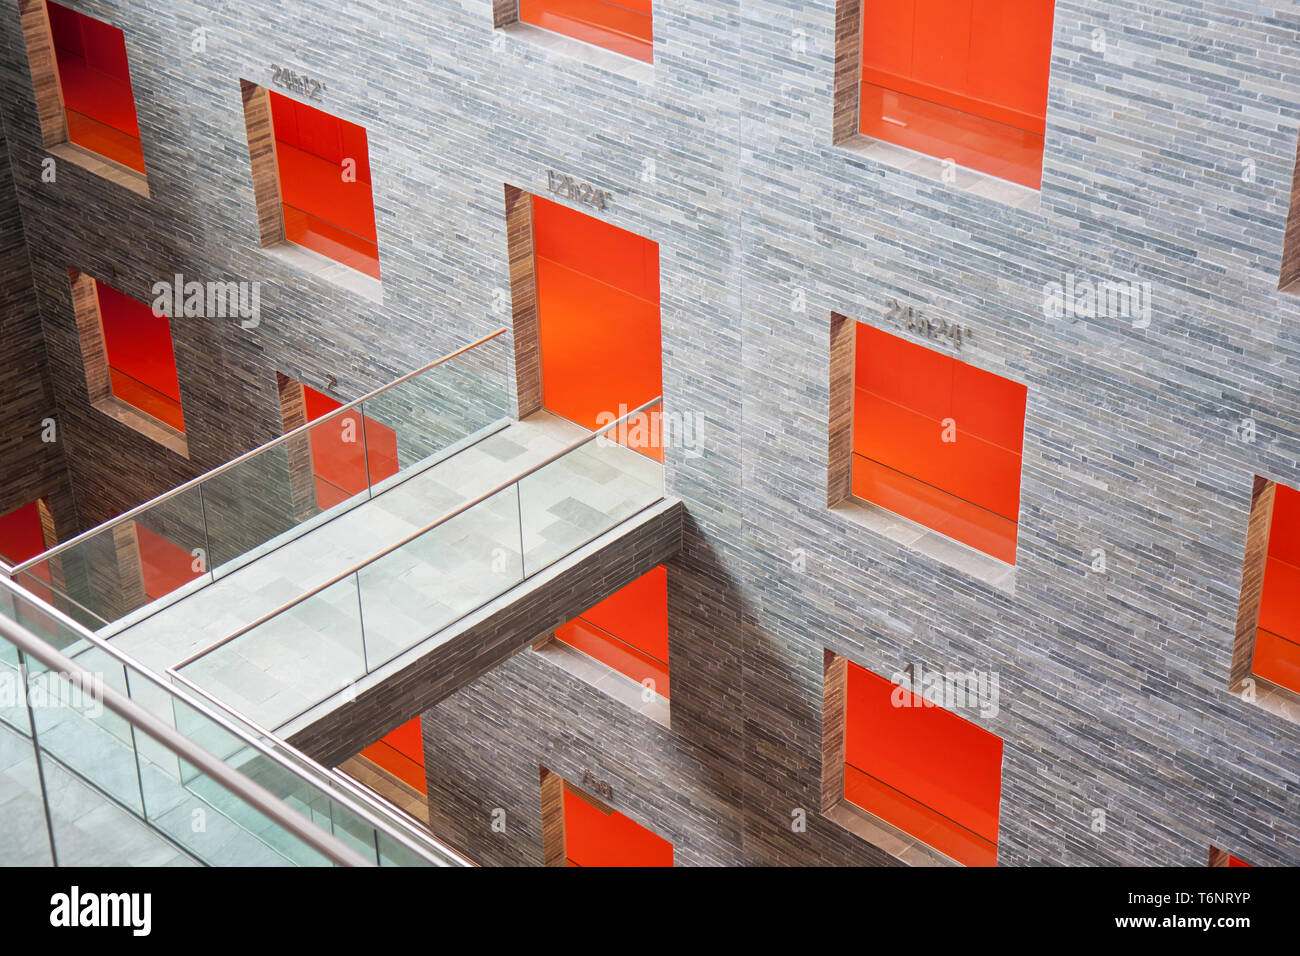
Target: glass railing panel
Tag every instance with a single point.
(126, 565)
(74, 726)
(285, 665)
(244, 510)
(585, 493)
(254, 505)
(392, 853)
(341, 459)
(107, 766)
(13, 706)
(43, 621)
(24, 836)
(91, 830)
(418, 422)
(308, 798)
(441, 576)
(229, 831)
(36, 581)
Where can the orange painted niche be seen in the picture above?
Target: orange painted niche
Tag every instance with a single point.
(342, 465)
(628, 630)
(141, 360)
(623, 27)
(922, 768)
(95, 80)
(595, 836)
(964, 80)
(938, 441)
(1277, 636)
(401, 753)
(22, 537)
(325, 188)
(598, 317)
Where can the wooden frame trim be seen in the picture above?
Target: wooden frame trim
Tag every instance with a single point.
(1252, 581)
(839, 447)
(504, 13)
(50, 108)
(835, 674)
(552, 819)
(1290, 271)
(523, 302)
(266, 169)
(846, 124)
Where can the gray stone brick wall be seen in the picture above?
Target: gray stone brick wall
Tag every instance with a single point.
(1169, 160)
(30, 467)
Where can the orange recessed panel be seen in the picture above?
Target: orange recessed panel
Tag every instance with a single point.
(22, 537)
(141, 361)
(638, 613)
(96, 84)
(628, 631)
(938, 441)
(595, 838)
(401, 753)
(947, 765)
(934, 508)
(21, 534)
(1277, 641)
(325, 185)
(960, 79)
(966, 466)
(618, 654)
(905, 373)
(1279, 608)
(1277, 659)
(1284, 530)
(624, 27)
(598, 307)
(910, 816)
(600, 345)
(606, 253)
(164, 565)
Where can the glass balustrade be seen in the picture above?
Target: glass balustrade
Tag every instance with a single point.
(284, 665)
(89, 788)
(133, 566)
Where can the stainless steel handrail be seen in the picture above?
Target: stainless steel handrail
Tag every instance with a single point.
(458, 510)
(337, 777)
(195, 482)
(241, 786)
(224, 722)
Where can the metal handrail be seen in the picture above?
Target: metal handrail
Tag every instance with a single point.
(224, 722)
(458, 510)
(194, 482)
(335, 776)
(54, 589)
(248, 790)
